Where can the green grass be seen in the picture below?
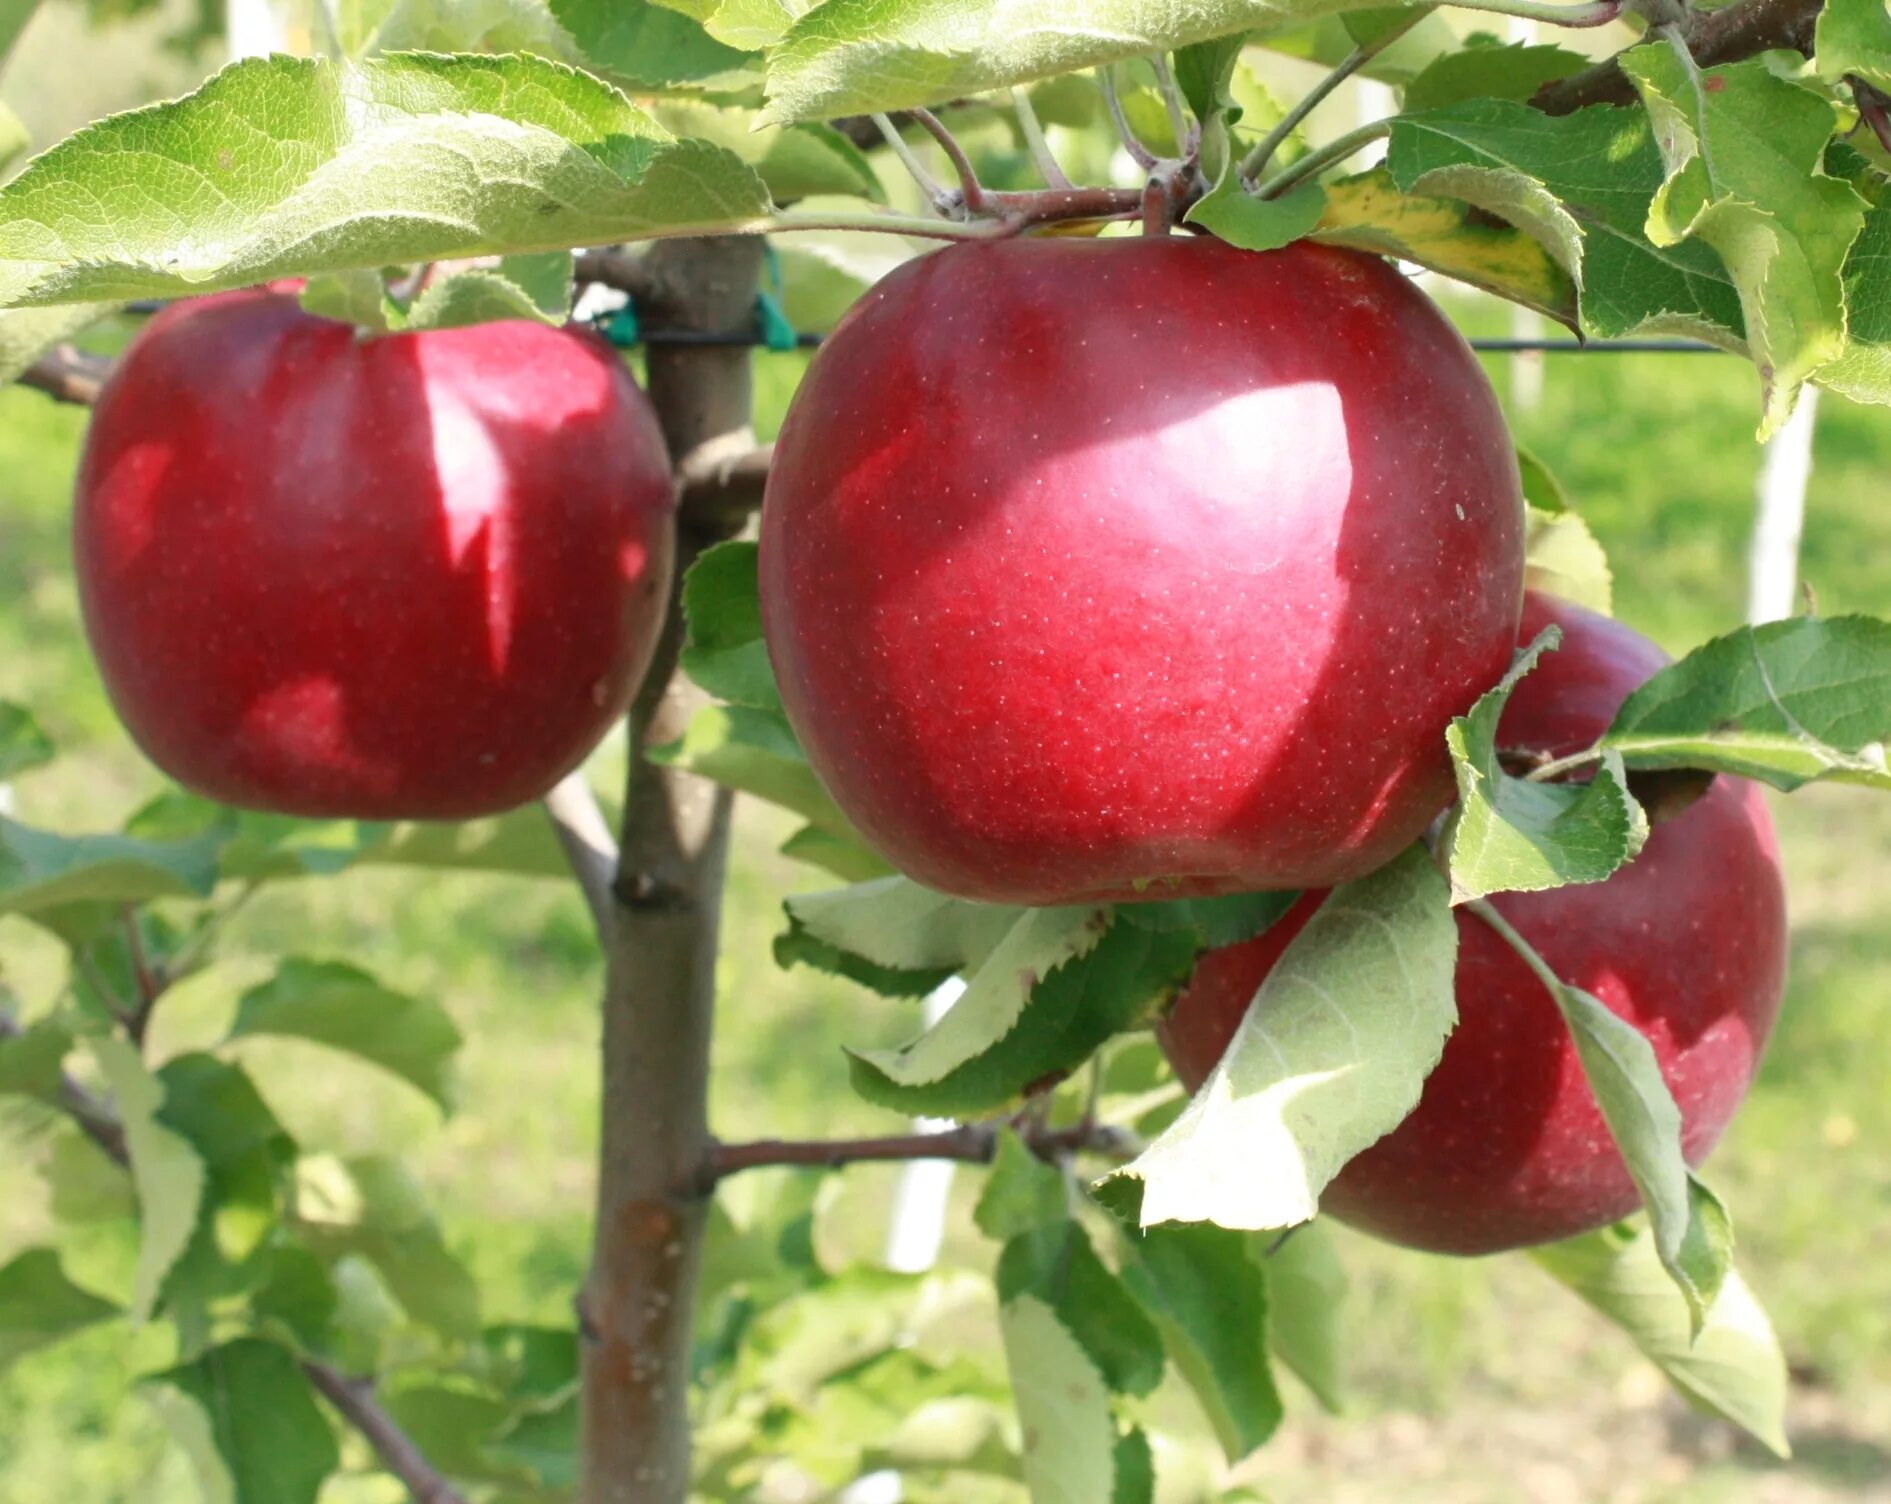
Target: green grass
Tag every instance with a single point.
(1472, 1381)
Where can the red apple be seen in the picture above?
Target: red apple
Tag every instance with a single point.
(408, 577)
(1139, 568)
(1688, 943)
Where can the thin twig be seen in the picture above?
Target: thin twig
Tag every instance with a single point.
(618, 269)
(354, 1398)
(973, 1143)
(1509, 934)
(1726, 35)
(723, 484)
(87, 1111)
(1172, 102)
(68, 374)
(1557, 766)
(1138, 153)
(971, 191)
(1256, 160)
(149, 983)
(1036, 141)
(590, 848)
(186, 956)
(1318, 160)
(935, 191)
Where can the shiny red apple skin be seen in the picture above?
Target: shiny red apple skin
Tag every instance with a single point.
(1139, 568)
(416, 576)
(1507, 1147)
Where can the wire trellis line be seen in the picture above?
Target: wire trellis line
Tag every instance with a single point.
(810, 340)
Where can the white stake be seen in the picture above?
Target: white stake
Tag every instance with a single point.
(1785, 471)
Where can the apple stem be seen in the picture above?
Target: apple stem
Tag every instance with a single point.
(935, 191)
(1138, 153)
(1508, 933)
(1316, 162)
(1171, 101)
(1036, 141)
(971, 195)
(1556, 767)
(1256, 161)
(970, 1143)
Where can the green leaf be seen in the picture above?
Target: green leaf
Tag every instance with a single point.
(651, 46)
(370, 26)
(1069, 1435)
(1541, 488)
(280, 166)
(1510, 835)
(848, 57)
(895, 923)
(1370, 212)
(1135, 1464)
(1209, 1294)
(1853, 37)
(722, 606)
(338, 1005)
(1732, 1367)
(1057, 1264)
(1692, 1234)
(31, 1061)
(755, 752)
(1215, 922)
(246, 1154)
(1204, 72)
(850, 861)
(1306, 1285)
(1035, 944)
(1744, 149)
(1021, 1193)
(258, 846)
(1329, 1057)
(28, 333)
(248, 1420)
(794, 161)
(1028, 1018)
(373, 1209)
(1563, 558)
(357, 297)
(751, 24)
(519, 287)
(1786, 703)
(1258, 224)
(42, 871)
(1513, 72)
(1539, 172)
(798, 947)
(1863, 372)
(39, 1305)
(166, 1171)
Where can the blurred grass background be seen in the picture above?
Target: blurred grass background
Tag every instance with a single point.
(1471, 1381)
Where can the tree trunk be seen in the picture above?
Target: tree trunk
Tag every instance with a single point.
(638, 1302)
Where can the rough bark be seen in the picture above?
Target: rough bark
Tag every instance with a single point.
(635, 1312)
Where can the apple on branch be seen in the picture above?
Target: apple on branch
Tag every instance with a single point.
(416, 576)
(1507, 1146)
(1105, 570)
